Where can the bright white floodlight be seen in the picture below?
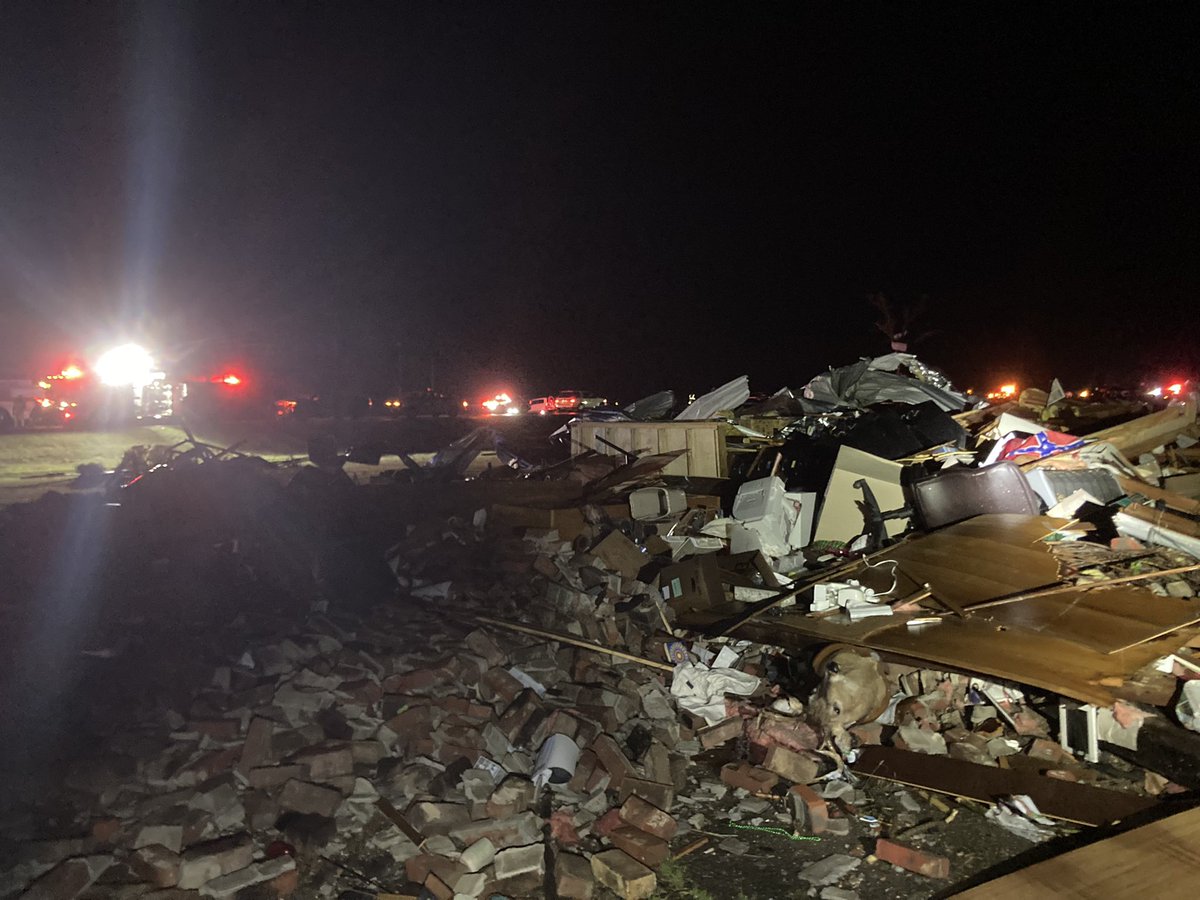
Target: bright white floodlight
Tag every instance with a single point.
(127, 365)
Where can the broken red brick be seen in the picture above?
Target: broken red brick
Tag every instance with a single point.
(562, 828)
(519, 713)
(722, 732)
(415, 720)
(660, 794)
(418, 868)
(461, 706)
(1050, 751)
(800, 768)
(1027, 722)
(583, 771)
(325, 761)
(608, 823)
(266, 777)
(928, 864)
(649, 818)
(217, 729)
(573, 877)
(810, 809)
(499, 683)
(105, 830)
(769, 729)
(417, 680)
(748, 778)
(645, 848)
(156, 864)
(285, 884)
(256, 749)
(614, 761)
(869, 733)
(437, 888)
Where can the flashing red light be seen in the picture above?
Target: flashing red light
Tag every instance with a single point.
(72, 372)
(229, 379)
(1176, 388)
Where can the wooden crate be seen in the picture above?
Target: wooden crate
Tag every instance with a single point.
(707, 454)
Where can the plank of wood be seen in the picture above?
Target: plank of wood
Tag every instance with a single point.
(982, 558)
(1163, 519)
(1067, 801)
(1159, 860)
(1002, 556)
(1107, 620)
(971, 645)
(1170, 498)
(1147, 432)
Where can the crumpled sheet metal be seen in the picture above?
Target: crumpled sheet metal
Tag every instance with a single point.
(727, 396)
(871, 381)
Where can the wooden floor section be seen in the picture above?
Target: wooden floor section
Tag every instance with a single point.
(1158, 861)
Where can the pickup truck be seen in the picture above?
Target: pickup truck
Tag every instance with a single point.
(565, 402)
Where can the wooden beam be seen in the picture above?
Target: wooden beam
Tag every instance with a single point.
(1170, 498)
(1163, 519)
(1143, 434)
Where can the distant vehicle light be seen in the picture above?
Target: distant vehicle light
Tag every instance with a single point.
(1008, 390)
(126, 366)
(72, 372)
(44, 385)
(512, 411)
(231, 379)
(1155, 392)
(1084, 394)
(501, 404)
(66, 415)
(44, 403)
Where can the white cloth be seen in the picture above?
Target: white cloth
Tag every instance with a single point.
(702, 690)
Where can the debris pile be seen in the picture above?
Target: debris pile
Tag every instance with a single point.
(592, 678)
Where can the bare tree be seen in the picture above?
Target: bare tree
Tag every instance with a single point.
(898, 319)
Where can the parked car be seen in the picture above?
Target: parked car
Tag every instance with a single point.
(565, 402)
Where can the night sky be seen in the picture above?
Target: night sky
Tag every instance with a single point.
(611, 197)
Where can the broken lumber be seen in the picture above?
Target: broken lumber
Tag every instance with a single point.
(574, 642)
(1064, 800)
(1147, 432)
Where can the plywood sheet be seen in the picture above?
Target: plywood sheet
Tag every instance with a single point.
(1104, 619)
(969, 645)
(982, 558)
(1159, 860)
(1001, 555)
(1064, 800)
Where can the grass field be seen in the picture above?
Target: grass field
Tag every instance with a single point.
(35, 461)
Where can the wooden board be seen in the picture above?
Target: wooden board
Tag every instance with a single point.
(1067, 801)
(1080, 644)
(703, 443)
(1144, 434)
(1001, 555)
(1107, 620)
(967, 645)
(1163, 519)
(1158, 861)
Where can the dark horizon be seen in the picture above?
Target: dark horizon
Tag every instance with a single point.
(615, 198)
